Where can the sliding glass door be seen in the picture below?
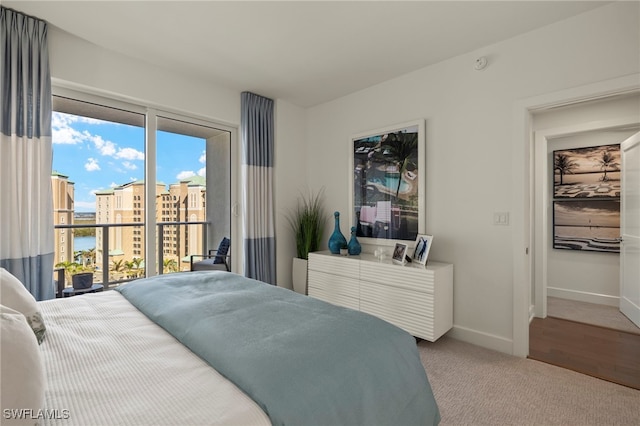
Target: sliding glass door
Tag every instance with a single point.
(136, 190)
(193, 164)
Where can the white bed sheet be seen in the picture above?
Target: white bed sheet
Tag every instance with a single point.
(108, 364)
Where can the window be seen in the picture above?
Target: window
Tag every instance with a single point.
(106, 153)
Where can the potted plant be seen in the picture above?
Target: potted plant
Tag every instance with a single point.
(82, 279)
(79, 275)
(307, 221)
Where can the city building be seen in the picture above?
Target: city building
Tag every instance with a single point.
(183, 201)
(63, 210)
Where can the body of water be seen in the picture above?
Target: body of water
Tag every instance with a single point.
(84, 243)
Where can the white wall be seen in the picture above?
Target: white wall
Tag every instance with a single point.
(587, 276)
(80, 63)
(469, 121)
(290, 177)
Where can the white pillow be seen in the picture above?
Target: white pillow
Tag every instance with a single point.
(21, 368)
(14, 295)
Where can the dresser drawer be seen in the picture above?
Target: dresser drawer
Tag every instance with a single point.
(337, 265)
(410, 310)
(343, 291)
(407, 277)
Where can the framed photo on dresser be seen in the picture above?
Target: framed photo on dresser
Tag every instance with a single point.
(421, 251)
(399, 253)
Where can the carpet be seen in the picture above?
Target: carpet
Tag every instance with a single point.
(478, 386)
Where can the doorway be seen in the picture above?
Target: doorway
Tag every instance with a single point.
(586, 266)
(576, 292)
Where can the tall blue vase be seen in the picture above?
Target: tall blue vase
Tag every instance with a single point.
(337, 240)
(354, 246)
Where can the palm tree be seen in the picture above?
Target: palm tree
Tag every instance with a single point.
(70, 268)
(117, 266)
(137, 261)
(169, 265)
(129, 265)
(564, 165)
(85, 257)
(400, 147)
(91, 256)
(605, 162)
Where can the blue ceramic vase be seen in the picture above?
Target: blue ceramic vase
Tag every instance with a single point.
(337, 240)
(354, 246)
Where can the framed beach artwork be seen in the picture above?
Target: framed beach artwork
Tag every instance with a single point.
(421, 251)
(399, 253)
(587, 225)
(589, 172)
(387, 190)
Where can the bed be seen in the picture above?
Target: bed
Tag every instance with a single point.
(216, 348)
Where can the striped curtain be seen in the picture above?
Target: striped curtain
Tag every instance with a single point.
(257, 130)
(26, 209)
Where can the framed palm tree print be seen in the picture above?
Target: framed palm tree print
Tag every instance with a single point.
(590, 172)
(387, 190)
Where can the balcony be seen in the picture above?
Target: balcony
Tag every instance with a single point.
(124, 245)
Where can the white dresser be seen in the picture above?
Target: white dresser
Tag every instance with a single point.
(413, 297)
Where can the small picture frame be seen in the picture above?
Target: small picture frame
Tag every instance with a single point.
(421, 251)
(399, 253)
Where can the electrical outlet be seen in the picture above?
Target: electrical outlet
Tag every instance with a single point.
(501, 218)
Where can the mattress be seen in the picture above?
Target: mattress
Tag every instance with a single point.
(108, 364)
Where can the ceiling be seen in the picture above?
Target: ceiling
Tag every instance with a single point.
(306, 52)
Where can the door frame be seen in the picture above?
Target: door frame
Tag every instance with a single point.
(626, 306)
(541, 208)
(523, 191)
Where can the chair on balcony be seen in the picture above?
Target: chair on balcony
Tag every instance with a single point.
(217, 260)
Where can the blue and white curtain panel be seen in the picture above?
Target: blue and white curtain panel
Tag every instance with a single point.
(26, 210)
(257, 140)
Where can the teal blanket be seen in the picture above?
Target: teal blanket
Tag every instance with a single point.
(304, 361)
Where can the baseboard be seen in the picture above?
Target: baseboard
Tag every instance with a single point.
(479, 338)
(583, 296)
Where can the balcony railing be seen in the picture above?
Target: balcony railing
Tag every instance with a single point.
(102, 271)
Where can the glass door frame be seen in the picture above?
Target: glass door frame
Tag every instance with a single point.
(151, 112)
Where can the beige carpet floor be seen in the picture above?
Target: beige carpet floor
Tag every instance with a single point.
(477, 386)
(590, 313)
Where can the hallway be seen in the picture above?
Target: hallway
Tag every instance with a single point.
(592, 339)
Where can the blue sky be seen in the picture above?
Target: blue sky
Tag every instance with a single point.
(97, 155)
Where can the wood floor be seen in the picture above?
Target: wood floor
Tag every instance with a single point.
(601, 352)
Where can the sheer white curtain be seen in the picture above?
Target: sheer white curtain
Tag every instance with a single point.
(26, 209)
(257, 130)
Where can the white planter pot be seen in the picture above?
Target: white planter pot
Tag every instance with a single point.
(299, 275)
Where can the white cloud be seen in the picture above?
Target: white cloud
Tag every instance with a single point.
(185, 175)
(105, 147)
(92, 165)
(202, 172)
(203, 157)
(113, 185)
(129, 154)
(129, 165)
(64, 133)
